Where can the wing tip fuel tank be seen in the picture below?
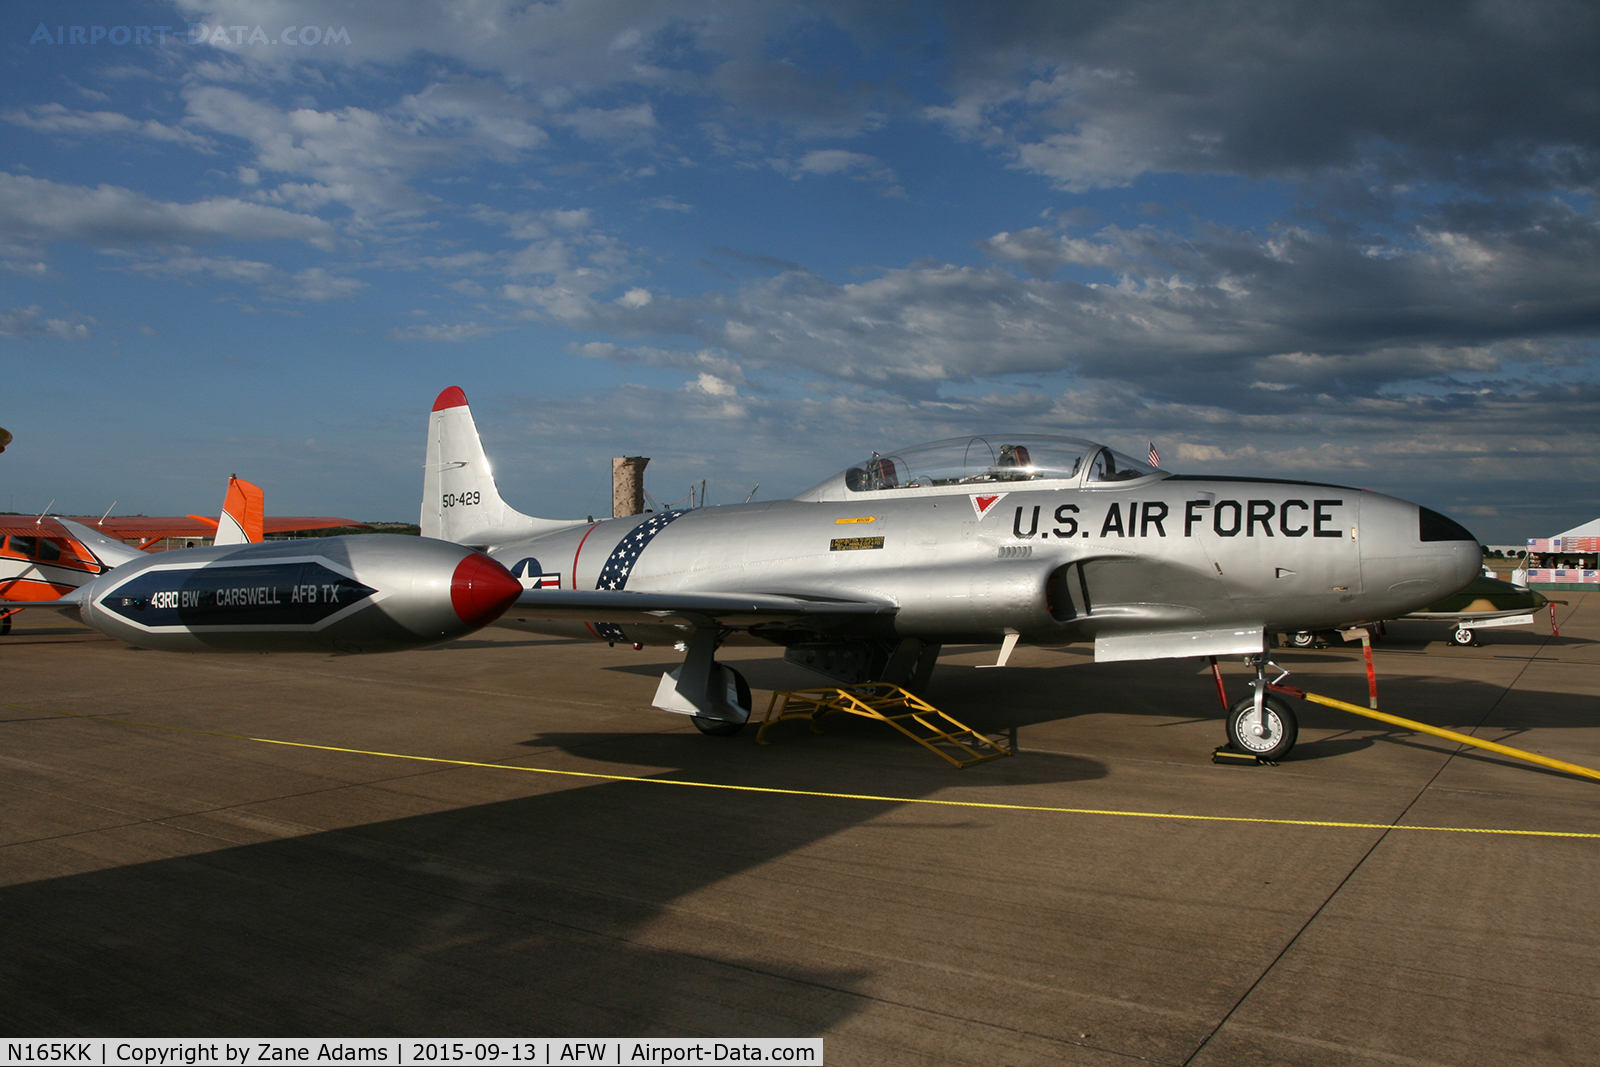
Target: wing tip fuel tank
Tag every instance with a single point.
(363, 593)
(481, 590)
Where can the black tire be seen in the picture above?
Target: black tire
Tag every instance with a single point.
(1302, 639)
(1463, 637)
(715, 727)
(5, 625)
(1280, 720)
(722, 727)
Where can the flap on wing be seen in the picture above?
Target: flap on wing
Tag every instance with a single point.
(1173, 644)
(591, 605)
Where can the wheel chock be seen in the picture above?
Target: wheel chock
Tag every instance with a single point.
(1232, 757)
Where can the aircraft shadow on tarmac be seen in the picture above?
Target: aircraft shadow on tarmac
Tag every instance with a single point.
(532, 916)
(471, 643)
(619, 908)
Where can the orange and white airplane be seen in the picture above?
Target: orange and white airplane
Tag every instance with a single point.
(45, 557)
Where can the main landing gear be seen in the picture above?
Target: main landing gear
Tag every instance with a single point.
(1260, 725)
(1463, 637)
(738, 695)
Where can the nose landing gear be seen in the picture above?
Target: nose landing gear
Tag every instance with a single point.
(1260, 725)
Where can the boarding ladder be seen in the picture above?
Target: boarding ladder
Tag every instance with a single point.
(906, 712)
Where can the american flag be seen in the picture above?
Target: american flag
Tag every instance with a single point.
(1155, 457)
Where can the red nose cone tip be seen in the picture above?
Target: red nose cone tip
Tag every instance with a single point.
(452, 397)
(481, 590)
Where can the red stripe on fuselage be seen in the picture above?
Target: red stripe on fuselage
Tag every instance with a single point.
(575, 555)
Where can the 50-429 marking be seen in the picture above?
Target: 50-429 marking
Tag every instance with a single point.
(452, 500)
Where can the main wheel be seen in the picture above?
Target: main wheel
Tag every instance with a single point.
(740, 692)
(1243, 727)
(715, 727)
(1302, 639)
(1462, 636)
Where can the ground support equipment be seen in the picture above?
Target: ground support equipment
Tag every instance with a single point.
(906, 712)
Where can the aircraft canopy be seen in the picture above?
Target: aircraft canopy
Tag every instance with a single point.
(990, 459)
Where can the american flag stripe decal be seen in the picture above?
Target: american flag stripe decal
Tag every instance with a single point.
(619, 565)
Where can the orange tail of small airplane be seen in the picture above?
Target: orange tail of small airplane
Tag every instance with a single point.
(243, 514)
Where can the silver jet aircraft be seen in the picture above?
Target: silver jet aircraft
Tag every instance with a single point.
(997, 538)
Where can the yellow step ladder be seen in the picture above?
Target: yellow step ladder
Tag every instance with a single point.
(916, 718)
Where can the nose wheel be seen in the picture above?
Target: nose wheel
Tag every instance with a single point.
(1268, 734)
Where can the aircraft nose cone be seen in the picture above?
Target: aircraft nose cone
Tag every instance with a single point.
(481, 590)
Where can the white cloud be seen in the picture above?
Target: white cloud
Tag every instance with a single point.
(27, 323)
(313, 284)
(56, 118)
(829, 161)
(711, 385)
(34, 210)
(453, 334)
(632, 123)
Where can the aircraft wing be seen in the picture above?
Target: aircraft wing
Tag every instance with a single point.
(1506, 617)
(107, 550)
(150, 529)
(733, 609)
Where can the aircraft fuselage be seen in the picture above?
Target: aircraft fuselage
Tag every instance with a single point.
(1053, 563)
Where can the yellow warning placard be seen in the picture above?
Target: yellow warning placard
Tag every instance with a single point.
(852, 544)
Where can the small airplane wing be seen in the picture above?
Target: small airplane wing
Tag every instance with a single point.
(150, 529)
(107, 550)
(1484, 602)
(733, 609)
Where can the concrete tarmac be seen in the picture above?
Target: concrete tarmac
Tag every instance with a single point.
(166, 869)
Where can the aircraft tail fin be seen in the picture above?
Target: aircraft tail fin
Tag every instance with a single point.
(460, 501)
(243, 514)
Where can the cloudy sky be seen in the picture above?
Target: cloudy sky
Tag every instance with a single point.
(757, 240)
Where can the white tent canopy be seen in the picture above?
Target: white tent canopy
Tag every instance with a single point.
(1588, 529)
